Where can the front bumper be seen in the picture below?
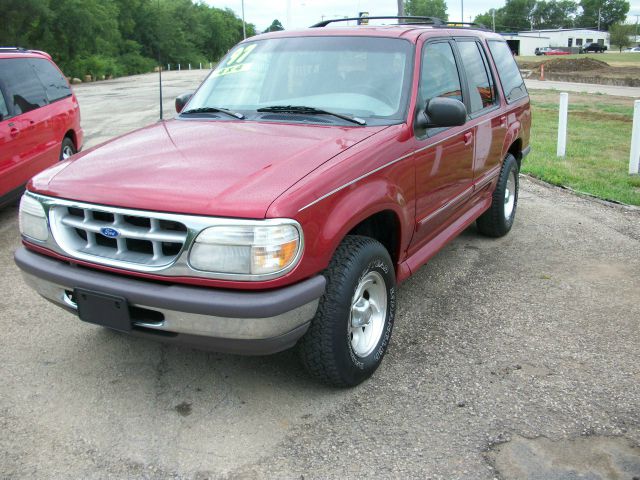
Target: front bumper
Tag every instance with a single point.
(223, 320)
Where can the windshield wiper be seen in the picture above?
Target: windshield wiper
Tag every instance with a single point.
(309, 111)
(214, 110)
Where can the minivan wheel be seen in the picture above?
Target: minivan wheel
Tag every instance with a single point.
(68, 148)
(498, 219)
(350, 333)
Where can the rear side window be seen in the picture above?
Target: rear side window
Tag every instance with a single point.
(512, 82)
(22, 86)
(439, 74)
(55, 85)
(481, 88)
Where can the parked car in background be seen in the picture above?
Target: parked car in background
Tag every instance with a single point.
(555, 51)
(39, 118)
(631, 50)
(309, 174)
(594, 48)
(542, 50)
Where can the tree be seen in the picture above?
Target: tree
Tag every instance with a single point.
(516, 15)
(611, 11)
(554, 14)
(426, 8)
(120, 37)
(275, 26)
(619, 35)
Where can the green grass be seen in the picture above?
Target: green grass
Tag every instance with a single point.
(610, 58)
(598, 143)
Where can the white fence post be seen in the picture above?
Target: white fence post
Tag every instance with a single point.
(634, 156)
(189, 66)
(168, 67)
(200, 65)
(178, 67)
(562, 124)
(210, 66)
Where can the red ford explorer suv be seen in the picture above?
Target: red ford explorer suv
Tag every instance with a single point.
(308, 175)
(39, 118)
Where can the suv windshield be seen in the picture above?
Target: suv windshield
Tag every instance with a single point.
(354, 76)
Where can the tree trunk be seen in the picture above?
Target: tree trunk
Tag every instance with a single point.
(400, 8)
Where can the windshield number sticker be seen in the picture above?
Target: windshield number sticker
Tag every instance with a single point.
(243, 67)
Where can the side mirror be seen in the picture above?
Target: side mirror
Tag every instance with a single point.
(442, 112)
(182, 100)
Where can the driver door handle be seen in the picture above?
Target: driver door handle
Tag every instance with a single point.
(467, 138)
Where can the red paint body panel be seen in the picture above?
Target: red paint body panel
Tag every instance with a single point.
(218, 168)
(328, 178)
(30, 142)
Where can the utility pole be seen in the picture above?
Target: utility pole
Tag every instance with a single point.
(493, 19)
(462, 11)
(401, 8)
(599, 19)
(159, 65)
(244, 28)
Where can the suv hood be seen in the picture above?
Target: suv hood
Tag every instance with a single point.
(224, 168)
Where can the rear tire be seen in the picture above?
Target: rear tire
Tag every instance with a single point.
(498, 220)
(350, 333)
(68, 148)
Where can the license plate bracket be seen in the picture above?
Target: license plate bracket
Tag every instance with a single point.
(109, 311)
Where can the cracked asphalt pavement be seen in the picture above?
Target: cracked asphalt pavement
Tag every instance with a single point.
(510, 358)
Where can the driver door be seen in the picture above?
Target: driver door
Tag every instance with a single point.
(444, 156)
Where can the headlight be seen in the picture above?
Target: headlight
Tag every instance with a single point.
(254, 248)
(33, 220)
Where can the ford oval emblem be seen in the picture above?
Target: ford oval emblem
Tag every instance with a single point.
(109, 232)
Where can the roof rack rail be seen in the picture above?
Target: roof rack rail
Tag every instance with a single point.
(465, 24)
(420, 20)
(18, 49)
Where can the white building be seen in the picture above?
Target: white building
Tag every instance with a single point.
(569, 39)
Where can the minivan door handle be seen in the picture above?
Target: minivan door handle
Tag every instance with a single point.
(13, 130)
(503, 121)
(467, 138)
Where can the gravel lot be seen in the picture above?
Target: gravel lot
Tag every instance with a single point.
(511, 358)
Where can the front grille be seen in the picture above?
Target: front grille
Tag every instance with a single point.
(136, 239)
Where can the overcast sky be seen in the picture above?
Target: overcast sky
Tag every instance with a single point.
(304, 13)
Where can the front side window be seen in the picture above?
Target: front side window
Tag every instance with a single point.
(439, 73)
(507, 69)
(54, 83)
(22, 86)
(361, 76)
(481, 89)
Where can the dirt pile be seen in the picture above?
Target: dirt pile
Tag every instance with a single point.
(573, 65)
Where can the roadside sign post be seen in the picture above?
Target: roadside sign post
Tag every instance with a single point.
(562, 124)
(634, 156)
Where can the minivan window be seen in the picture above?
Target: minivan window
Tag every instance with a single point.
(481, 89)
(23, 88)
(512, 82)
(362, 76)
(4, 113)
(439, 74)
(55, 85)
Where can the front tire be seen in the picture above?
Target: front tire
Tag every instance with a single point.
(350, 333)
(498, 219)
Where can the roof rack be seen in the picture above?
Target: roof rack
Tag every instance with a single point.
(479, 26)
(419, 20)
(13, 49)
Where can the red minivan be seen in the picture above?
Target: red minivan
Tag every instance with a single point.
(39, 118)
